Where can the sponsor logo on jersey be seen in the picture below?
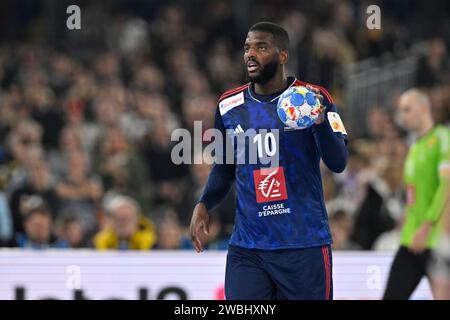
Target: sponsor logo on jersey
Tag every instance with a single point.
(229, 103)
(270, 184)
(432, 141)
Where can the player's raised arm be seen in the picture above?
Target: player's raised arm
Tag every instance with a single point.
(330, 135)
(217, 187)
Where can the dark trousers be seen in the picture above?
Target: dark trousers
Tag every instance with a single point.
(292, 274)
(407, 270)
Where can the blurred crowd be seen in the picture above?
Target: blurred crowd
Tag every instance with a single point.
(85, 126)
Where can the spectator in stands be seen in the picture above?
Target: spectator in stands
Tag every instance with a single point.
(225, 211)
(170, 179)
(200, 108)
(39, 184)
(69, 141)
(351, 183)
(80, 190)
(440, 103)
(390, 240)
(6, 224)
(381, 207)
(70, 231)
(123, 169)
(45, 112)
(219, 237)
(341, 226)
(128, 229)
(108, 112)
(37, 230)
(25, 146)
(117, 102)
(75, 116)
(434, 68)
(170, 233)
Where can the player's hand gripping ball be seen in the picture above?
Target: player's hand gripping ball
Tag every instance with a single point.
(298, 107)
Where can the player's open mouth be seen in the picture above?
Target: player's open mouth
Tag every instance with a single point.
(252, 66)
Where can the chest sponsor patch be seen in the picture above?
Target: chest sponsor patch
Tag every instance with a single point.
(336, 123)
(229, 103)
(270, 184)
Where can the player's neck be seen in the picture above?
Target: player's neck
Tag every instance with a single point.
(426, 127)
(276, 84)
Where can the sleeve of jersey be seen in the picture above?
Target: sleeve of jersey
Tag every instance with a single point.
(222, 175)
(442, 194)
(331, 139)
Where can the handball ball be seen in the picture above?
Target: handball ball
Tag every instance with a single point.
(298, 107)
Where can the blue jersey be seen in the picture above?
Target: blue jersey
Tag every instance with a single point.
(283, 206)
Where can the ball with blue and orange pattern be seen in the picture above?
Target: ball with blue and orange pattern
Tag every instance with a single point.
(298, 107)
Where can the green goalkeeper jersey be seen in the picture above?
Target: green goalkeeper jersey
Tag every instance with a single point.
(426, 176)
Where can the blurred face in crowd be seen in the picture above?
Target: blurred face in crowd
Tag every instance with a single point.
(70, 140)
(437, 48)
(40, 175)
(261, 56)
(394, 174)
(25, 144)
(107, 66)
(341, 229)
(34, 154)
(150, 78)
(440, 100)
(115, 141)
(30, 132)
(107, 111)
(18, 149)
(201, 172)
(413, 108)
(356, 162)
(38, 227)
(169, 235)
(152, 106)
(199, 109)
(179, 60)
(73, 232)
(78, 165)
(74, 116)
(160, 133)
(376, 121)
(197, 83)
(125, 219)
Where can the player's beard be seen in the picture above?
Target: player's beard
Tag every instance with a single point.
(265, 74)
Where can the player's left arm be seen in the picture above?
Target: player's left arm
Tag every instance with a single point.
(330, 134)
(436, 209)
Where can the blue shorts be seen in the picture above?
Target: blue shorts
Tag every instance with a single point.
(295, 274)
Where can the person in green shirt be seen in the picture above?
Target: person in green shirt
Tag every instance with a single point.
(440, 267)
(426, 184)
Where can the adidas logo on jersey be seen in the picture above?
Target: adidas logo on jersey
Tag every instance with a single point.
(238, 129)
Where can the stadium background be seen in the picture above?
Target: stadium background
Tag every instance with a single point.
(86, 115)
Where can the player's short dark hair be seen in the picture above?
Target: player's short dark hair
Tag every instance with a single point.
(280, 35)
(42, 209)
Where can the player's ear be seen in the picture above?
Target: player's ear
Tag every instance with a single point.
(284, 56)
